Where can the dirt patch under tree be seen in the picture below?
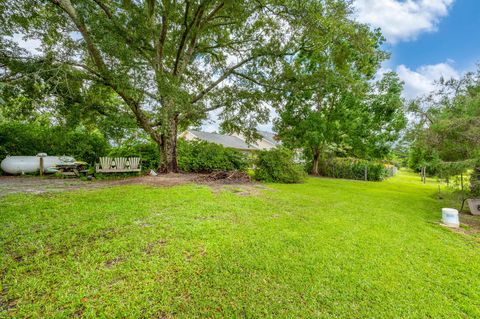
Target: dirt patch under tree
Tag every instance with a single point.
(38, 185)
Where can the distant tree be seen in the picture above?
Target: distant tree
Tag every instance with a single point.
(449, 118)
(333, 107)
(447, 127)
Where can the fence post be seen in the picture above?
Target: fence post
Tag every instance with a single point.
(41, 166)
(463, 193)
(366, 172)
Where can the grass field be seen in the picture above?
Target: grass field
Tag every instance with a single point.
(324, 249)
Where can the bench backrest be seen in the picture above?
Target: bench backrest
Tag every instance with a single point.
(118, 164)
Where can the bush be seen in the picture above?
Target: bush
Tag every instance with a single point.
(353, 168)
(204, 157)
(82, 145)
(147, 151)
(277, 165)
(192, 156)
(30, 139)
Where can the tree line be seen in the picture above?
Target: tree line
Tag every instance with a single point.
(445, 137)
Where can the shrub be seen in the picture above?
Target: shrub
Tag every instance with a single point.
(277, 165)
(192, 156)
(204, 157)
(33, 138)
(147, 151)
(82, 145)
(353, 168)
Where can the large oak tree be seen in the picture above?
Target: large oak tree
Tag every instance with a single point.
(170, 62)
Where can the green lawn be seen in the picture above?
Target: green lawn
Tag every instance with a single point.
(324, 249)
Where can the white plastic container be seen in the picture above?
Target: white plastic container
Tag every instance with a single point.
(450, 217)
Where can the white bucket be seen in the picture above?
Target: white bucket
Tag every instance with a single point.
(450, 217)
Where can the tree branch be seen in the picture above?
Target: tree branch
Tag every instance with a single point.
(67, 7)
(212, 14)
(188, 27)
(199, 112)
(249, 78)
(122, 32)
(199, 25)
(142, 119)
(225, 75)
(163, 35)
(104, 8)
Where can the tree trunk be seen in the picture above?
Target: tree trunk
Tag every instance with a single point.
(316, 159)
(168, 149)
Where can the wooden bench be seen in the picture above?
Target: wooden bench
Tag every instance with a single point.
(118, 165)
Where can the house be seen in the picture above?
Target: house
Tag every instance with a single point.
(235, 141)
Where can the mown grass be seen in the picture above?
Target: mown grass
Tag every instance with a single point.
(324, 249)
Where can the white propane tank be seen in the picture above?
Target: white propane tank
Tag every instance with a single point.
(31, 164)
(20, 164)
(450, 217)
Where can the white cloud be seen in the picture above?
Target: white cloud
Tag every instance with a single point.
(402, 20)
(422, 80)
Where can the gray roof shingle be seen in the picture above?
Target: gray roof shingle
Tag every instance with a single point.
(269, 137)
(225, 140)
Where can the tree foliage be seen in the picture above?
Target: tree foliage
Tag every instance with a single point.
(168, 62)
(336, 109)
(34, 89)
(30, 139)
(331, 105)
(448, 120)
(162, 65)
(277, 166)
(446, 136)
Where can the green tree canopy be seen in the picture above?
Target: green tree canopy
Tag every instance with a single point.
(333, 105)
(446, 136)
(448, 120)
(169, 62)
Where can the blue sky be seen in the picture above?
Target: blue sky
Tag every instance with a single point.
(457, 38)
(428, 39)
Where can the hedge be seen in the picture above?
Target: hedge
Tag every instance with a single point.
(33, 138)
(147, 151)
(353, 168)
(192, 156)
